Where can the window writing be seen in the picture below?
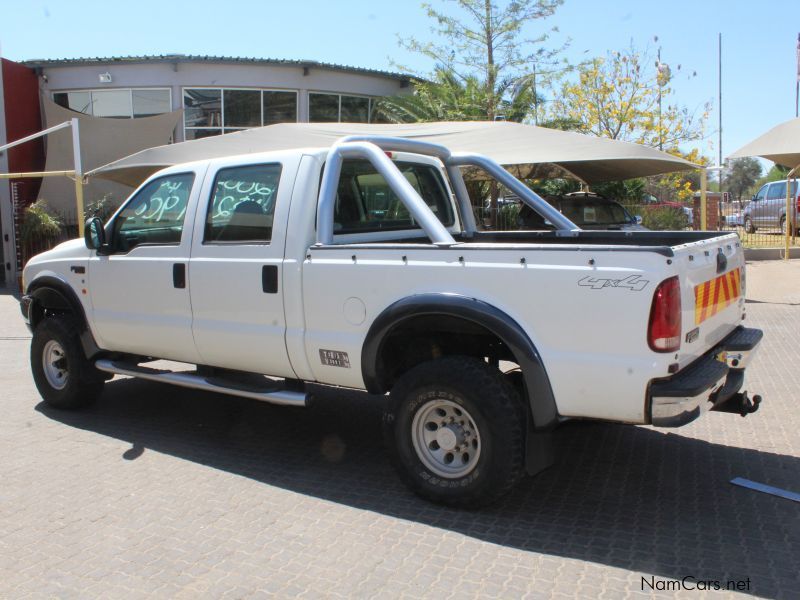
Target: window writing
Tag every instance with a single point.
(242, 206)
(155, 215)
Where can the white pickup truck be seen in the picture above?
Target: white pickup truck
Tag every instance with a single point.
(361, 266)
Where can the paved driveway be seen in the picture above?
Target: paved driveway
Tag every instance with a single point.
(163, 492)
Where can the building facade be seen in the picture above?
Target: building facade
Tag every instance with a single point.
(217, 95)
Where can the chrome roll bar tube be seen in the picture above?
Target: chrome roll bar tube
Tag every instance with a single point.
(374, 148)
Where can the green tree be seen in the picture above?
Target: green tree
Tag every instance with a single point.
(487, 41)
(444, 98)
(741, 175)
(622, 98)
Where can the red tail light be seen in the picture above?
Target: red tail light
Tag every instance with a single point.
(664, 329)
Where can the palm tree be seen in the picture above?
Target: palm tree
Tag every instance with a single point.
(447, 97)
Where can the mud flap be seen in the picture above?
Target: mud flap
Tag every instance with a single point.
(539, 453)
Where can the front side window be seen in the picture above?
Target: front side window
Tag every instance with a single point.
(365, 202)
(761, 193)
(777, 191)
(154, 215)
(242, 205)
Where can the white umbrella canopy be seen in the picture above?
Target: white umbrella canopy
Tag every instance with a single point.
(781, 145)
(527, 147)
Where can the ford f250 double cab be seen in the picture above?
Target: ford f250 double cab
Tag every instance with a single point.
(361, 266)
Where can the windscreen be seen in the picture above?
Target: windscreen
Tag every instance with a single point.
(589, 211)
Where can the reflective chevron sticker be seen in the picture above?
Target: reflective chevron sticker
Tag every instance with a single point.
(715, 295)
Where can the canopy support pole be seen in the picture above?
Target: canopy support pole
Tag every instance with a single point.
(76, 153)
(703, 199)
(790, 220)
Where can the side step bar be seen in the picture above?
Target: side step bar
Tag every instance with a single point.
(208, 384)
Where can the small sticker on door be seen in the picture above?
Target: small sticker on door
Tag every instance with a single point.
(334, 358)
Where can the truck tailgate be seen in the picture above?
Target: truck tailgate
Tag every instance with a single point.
(712, 278)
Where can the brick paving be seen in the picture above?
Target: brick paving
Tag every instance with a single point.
(159, 492)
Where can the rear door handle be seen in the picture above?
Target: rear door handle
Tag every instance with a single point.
(269, 279)
(179, 275)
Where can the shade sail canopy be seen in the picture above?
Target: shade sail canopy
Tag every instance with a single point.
(781, 145)
(525, 147)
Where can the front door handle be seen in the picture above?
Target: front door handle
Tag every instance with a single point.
(179, 275)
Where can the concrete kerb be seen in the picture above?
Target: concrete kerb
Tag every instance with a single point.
(769, 253)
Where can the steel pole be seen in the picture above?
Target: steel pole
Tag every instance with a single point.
(790, 220)
(703, 201)
(76, 152)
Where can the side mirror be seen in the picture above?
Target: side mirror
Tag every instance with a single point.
(93, 234)
(638, 219)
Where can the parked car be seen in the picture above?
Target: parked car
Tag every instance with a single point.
(767, 209)
(733, 220)
(264, 272)
(650, 201)
(593, 211)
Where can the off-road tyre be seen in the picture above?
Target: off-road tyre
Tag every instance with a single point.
(62, 374)
(496, 411)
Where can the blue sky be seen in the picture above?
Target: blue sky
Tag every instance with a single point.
(759, 40)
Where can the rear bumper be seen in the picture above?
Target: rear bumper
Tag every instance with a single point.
(709, 382)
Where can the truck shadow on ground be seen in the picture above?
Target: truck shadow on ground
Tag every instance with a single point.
(628, 497)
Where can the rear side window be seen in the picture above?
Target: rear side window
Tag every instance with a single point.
(154, 216)
(777, 191)
(365, 202)
(242, 205)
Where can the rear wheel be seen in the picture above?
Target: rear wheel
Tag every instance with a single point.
(454, 428)
(61, 371)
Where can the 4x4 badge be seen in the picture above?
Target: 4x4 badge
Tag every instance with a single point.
(632, 282)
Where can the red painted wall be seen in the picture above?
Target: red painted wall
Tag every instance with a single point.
(22, 117)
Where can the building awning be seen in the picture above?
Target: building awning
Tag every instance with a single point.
(524, 147)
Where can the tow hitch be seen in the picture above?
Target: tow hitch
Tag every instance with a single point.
(740, 403)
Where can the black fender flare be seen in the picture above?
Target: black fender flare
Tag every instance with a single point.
(542, 400)
(54, 293)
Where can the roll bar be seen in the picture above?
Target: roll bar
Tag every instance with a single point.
(374, 148)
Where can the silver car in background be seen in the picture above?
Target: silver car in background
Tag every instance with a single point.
(767, 209)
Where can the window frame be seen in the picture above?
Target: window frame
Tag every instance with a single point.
(222, 128)
(130, 91)
(210, 201)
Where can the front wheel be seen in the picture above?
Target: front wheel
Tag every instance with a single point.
(61, 371)
(454, 428)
